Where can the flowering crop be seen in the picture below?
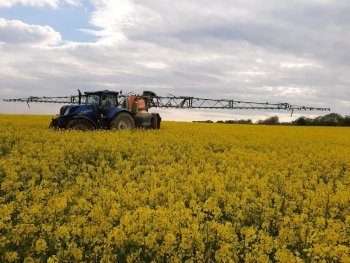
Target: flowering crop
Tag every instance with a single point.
(189, 192)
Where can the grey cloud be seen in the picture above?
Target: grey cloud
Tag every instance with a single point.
(313, 28)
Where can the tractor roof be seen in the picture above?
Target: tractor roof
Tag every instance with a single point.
(100, 92)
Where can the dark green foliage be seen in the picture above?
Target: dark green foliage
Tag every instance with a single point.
(332, 119)
(273, 120)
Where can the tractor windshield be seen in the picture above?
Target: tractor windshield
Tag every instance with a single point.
(92, 99)
(109, 101)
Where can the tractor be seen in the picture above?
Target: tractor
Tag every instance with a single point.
(101, 110)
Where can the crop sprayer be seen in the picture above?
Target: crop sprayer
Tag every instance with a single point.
(113, 110)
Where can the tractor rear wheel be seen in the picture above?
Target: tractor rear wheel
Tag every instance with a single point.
(123, 121)
(79, 124)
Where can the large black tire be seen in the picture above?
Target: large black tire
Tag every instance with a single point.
(80, 124)
(155, 121)
(123, 121)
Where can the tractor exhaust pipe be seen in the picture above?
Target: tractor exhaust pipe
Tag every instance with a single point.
(79, 100)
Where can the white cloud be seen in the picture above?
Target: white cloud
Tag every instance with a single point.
(153, 65)
(291, 65)
(15, 32)
(73, 2)
(38, 3)
(115, 18)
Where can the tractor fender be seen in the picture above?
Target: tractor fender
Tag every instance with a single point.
(85, 118)
(112, 113)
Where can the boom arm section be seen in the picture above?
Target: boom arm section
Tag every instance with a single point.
(62, 99)
(198, 103)
(65, 100)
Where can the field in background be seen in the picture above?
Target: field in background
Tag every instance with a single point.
(190, 191)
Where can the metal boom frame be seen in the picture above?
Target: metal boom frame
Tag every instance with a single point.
(181, 102)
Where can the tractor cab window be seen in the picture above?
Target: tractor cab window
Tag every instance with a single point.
(92, 100)
(107, 102)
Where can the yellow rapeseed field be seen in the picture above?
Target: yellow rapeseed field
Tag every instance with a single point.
(189, 192)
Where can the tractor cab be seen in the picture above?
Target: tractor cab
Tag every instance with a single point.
(103, 101)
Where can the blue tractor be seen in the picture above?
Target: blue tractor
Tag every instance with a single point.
(101, 110)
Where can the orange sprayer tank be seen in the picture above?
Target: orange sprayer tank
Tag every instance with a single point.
(131, 101)
(141, 106)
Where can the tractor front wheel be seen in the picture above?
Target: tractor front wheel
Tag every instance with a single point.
(79, 124)
(53, 125)
(123, 121)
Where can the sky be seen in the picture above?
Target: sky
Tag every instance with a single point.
(274, 51)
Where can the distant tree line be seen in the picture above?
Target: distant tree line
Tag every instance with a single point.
(249, 121)
(332, 119)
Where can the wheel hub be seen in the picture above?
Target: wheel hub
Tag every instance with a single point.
(123, 125)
